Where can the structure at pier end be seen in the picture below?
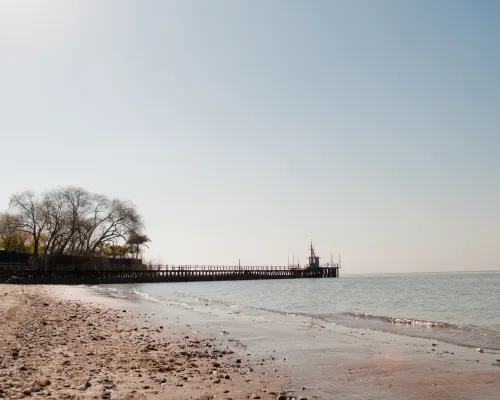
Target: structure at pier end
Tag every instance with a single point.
(315, 270)
(313, 259)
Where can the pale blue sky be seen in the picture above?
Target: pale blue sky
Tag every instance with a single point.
(242, 129)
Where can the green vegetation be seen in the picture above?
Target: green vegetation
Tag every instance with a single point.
(72, 221)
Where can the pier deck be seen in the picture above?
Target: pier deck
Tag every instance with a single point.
(55, 274)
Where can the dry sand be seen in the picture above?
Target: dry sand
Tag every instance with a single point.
(64, 349)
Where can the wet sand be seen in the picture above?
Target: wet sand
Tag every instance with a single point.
(377, 365)
(69, 349)
(336, 362)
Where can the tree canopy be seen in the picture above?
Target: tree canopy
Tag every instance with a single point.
(71, 220)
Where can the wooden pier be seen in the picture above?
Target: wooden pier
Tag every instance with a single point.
(94, 274)
(68, 274)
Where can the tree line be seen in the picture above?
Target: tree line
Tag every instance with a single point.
(72, 221)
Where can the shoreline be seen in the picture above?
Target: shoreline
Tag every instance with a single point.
(56, 347)
(306, 357)
(450, 333)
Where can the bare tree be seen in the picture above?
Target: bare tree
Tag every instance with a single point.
(75, 221)
(109, 221)
(78, 205)
(54, 207)
(32, 218)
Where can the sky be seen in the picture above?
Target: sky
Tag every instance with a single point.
(244, 129)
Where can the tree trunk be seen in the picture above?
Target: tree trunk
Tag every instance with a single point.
(35, 246)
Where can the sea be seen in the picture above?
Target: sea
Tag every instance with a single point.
(356, 337)
(460, 308)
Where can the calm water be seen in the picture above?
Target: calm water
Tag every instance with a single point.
(460, 308)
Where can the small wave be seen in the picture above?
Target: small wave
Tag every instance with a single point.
(457, 334)
(266, 310)
(154, 299)
(144, 295)
(402, 321)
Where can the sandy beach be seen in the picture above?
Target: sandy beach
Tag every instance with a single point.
(69, 349)
(73, 343)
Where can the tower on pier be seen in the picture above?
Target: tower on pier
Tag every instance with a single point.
(313, 259)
